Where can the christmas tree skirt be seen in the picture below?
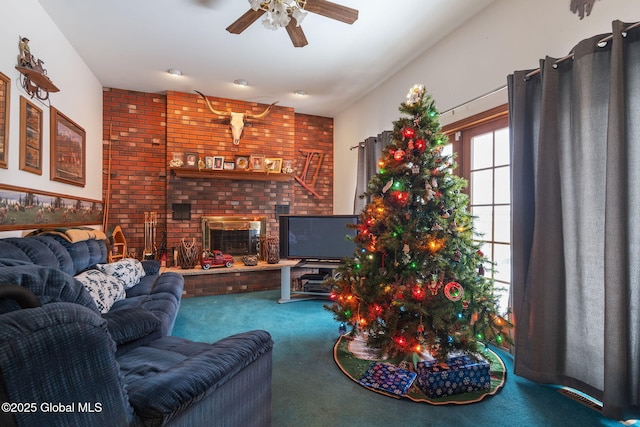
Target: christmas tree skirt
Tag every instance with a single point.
(382, 376)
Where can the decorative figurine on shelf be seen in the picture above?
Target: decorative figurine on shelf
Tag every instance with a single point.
(250, 260)
(187, 254)
(162, 252)
(272, 249)
(215, 258)
(34, 77)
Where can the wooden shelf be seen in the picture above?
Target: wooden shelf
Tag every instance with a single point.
(230, 175)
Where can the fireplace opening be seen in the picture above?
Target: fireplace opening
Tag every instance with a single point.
(235, 236)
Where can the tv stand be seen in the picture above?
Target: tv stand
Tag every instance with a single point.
(323, 266)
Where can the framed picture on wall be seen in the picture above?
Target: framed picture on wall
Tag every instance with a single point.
(229, 166)
(5, 97)
(55, 210)
(30, 137)
(68, 150)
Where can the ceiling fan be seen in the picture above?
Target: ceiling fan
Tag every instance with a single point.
(289, 14)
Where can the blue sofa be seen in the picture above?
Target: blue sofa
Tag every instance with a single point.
(63, 362)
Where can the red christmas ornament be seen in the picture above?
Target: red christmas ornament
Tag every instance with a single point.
(401, 341)
(420, 145)
(398, 155)
(376, 310)
(400, 197)
(418, 293)
(408, 132)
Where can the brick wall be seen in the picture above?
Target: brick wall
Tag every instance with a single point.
(314, 133)
(147, 129)
(231, 283)
(135, 133)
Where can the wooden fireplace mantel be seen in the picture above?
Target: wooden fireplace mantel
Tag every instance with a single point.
(230, 175)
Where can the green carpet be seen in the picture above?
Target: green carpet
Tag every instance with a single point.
(309, 389)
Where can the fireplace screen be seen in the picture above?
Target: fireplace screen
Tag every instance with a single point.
(235, 236)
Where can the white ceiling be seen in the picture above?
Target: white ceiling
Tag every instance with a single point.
(130, 44)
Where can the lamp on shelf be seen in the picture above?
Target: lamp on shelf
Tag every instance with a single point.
(279, 12)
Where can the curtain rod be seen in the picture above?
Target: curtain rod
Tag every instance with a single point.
(484, 95)
(601, 43)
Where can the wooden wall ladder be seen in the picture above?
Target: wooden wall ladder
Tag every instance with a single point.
(302, 179)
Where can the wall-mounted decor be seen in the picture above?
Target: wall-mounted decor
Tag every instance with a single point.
(24, 208)
(302, 178)
(237, 120)
(34, 77)
(582, 7)
(68, 148)
(30, 137)
(5, 97)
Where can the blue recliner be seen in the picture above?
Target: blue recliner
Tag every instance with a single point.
(62, 362)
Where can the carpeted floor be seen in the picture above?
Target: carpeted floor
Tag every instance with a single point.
(310, 390)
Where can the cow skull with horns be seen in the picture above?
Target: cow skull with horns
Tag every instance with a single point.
(237, 120)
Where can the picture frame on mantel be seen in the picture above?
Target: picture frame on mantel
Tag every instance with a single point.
(218, 163)
(5, 103)
(273, 165)
(191, 160)
(30, 137)
(257, 162)
(68, 149)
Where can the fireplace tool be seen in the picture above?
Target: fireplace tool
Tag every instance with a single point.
(149, 235)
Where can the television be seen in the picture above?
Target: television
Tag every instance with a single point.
(317, 237)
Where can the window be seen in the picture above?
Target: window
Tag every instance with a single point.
(482, 147)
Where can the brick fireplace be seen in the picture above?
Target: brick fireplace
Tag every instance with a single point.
(143, 130)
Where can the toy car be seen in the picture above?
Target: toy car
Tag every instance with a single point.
(215, 259)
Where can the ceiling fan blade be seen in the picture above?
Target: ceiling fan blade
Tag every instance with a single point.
(245, 20)
(332, 10)
(296, 34)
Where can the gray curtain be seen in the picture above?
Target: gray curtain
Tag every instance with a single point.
(369, 153)
(575, 135)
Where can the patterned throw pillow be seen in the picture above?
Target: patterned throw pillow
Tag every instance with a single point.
(105, 290)
(128, 270)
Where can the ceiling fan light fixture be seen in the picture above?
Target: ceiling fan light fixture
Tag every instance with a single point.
(279, 12)
(299, 15)
(241, 82)
(300, 92)
(255, 4)
(174, 72)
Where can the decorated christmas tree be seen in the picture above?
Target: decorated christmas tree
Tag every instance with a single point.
(416, 283)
